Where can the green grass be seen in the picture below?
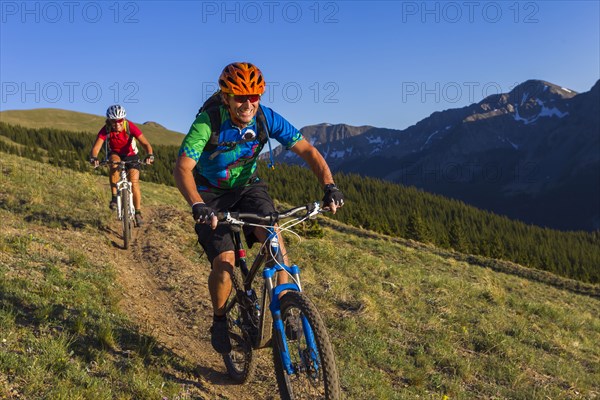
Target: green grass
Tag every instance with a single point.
(62, 335)
(408, 324)
(406, 321)
(74, 121)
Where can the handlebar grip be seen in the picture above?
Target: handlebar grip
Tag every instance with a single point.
(222, 215)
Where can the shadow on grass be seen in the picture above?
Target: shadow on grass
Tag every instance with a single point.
(55, 221)
(48, 219)
(89, 339)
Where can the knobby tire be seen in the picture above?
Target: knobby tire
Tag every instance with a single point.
(309, 382)
(126, 210)
(267, 326)
(240, 363)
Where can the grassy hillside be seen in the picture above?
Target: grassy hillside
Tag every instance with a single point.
(407, 321)
(74, 121)
(372, 204)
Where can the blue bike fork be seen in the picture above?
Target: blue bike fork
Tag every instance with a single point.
(275, 308)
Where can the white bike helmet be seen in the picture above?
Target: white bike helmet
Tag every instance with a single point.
(116, 112)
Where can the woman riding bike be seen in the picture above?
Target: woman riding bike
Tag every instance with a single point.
(122, 135)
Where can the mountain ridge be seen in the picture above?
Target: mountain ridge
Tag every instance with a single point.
(518, 154)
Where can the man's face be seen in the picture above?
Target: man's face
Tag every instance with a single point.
(242, 108)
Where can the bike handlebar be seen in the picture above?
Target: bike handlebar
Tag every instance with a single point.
(120, 163)
(239, 218)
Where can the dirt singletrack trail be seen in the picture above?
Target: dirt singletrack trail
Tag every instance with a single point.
(166, 295)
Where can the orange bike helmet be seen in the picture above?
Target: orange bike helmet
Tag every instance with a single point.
(242, 78)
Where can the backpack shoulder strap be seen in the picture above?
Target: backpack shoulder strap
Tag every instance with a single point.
(128, 133)
(214, 115)
(106, 146)
(212, 106)
(261, 126)
(263, 134)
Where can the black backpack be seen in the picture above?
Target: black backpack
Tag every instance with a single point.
(211, 107)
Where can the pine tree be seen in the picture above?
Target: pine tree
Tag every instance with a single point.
(416, 229)
(456, 236)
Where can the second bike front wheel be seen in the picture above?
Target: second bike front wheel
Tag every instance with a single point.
(314, 374)
(125, 209)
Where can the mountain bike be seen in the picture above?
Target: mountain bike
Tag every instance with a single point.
(303, 356)
(125, 207)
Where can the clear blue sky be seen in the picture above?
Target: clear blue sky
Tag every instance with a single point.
(386, 64)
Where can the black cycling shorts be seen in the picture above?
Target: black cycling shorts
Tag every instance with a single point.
(135, 159)
(251, 198)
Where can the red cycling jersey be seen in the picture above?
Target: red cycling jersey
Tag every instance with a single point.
(118, 141)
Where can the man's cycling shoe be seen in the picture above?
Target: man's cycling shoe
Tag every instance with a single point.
(219, 337)
(113, 204)
(139, 221)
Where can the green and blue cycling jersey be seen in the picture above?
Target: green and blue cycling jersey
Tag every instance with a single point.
(232, 167)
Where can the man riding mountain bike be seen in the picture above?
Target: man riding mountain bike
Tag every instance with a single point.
(216, 170)
(122, 136)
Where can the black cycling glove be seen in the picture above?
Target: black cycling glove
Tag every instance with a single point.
(202, 213)
(333, 195)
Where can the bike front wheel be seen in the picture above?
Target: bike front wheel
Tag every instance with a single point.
(313, 374)
(126, 210)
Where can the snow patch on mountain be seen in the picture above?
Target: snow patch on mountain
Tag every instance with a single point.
(429, 139)
(374, 139)
(337, 154)
(552, 112)
(544, 112)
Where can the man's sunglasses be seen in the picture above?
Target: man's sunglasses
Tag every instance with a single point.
(117, 121)
(243, 98)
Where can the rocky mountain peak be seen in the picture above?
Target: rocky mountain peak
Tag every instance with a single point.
(541, 89)
(327, 133)
(526, 102)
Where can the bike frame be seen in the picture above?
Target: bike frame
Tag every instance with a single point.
(270, 253)
(124, 184)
